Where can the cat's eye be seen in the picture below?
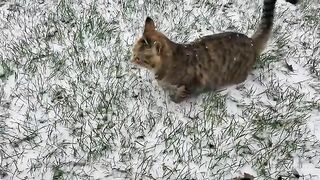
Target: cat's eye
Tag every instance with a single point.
(145, 41)
(146, 62)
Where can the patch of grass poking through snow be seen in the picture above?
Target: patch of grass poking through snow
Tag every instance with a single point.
(280, 128)
(5, 71)
(214, 108)
(265, 60)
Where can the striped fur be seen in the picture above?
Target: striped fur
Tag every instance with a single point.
(263, 33)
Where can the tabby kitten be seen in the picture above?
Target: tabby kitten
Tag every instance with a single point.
(209, 63)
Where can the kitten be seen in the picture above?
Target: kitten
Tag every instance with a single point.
(209, 63)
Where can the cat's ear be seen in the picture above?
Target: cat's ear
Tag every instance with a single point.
(158, 46)
(149, 25)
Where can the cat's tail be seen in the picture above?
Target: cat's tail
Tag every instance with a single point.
(261, 36)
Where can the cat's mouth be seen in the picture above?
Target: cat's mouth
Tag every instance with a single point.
(140, 62)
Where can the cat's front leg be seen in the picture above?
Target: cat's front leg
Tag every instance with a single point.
(181, 93)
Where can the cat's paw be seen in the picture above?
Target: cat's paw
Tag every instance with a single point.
(180, 95)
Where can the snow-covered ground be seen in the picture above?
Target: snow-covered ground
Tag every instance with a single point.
(72, 106)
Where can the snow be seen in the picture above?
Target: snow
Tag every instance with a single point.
(73, 106)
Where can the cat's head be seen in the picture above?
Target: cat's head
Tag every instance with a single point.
(148, 49)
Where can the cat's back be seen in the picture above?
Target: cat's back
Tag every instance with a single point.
(225, 38)
(224, 58)
(226, 35)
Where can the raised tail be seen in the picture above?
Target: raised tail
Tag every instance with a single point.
(261, 36)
